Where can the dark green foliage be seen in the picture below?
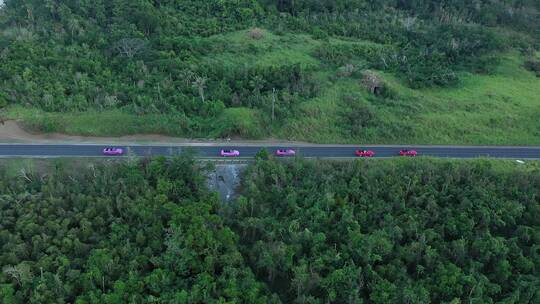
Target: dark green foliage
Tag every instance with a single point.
(143, 232)
(148, 231)
(392, 232)
(356, 115)
(263, 154)
(533, 65)
(246, 86)
(239, 122)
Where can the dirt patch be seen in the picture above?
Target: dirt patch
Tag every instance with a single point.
(12, 132)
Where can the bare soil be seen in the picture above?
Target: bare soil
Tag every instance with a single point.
(12, 132)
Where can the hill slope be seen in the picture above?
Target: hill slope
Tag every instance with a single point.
(450, 73)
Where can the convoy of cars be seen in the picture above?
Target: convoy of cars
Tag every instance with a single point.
(291, 152)
(114, 151)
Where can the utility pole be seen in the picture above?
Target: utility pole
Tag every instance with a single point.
(159, 92)
(273, 102)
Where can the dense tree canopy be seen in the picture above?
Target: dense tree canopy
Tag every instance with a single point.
(391, 232)
(301, 232)
(126, 233)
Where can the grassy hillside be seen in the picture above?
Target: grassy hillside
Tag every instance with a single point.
(450, 75)
(500, 108)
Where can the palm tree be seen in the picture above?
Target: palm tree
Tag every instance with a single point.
(74, 26)
(200, 84)
(257, 83)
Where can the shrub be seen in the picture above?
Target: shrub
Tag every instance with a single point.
(346, 70)
(256, 33)
(3, 99)
(43, 123)
(242, 122)
(372, 82)
(263, 154)
(533, 65)
(356, 114)
(320, 34)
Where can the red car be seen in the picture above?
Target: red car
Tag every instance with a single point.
(364, 153)
(285, 152)
(113, 151)
(408, 153)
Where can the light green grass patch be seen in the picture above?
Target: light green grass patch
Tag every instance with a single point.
(287, 57)
(318, 119)
(103, 123)
(498, 109)
(270, 50)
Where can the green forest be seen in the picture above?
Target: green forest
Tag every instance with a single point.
(150, 230)
(301, 231)
(452, 71)
(135, 232)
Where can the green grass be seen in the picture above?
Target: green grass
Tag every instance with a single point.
(118, 123)
(271, 49)
(239, 121)
(498, 109)
(104, 123)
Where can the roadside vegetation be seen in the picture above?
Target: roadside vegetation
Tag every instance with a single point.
(449, 72)
(365, 231)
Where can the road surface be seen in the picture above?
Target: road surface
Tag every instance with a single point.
(322, 151)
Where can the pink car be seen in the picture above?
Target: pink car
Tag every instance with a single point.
(230, 153)
(285, 152)
(113, 151)
(408, 153)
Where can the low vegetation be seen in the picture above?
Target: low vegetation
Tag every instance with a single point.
(199, 68)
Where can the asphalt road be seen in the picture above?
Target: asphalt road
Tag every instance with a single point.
(322, 151)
